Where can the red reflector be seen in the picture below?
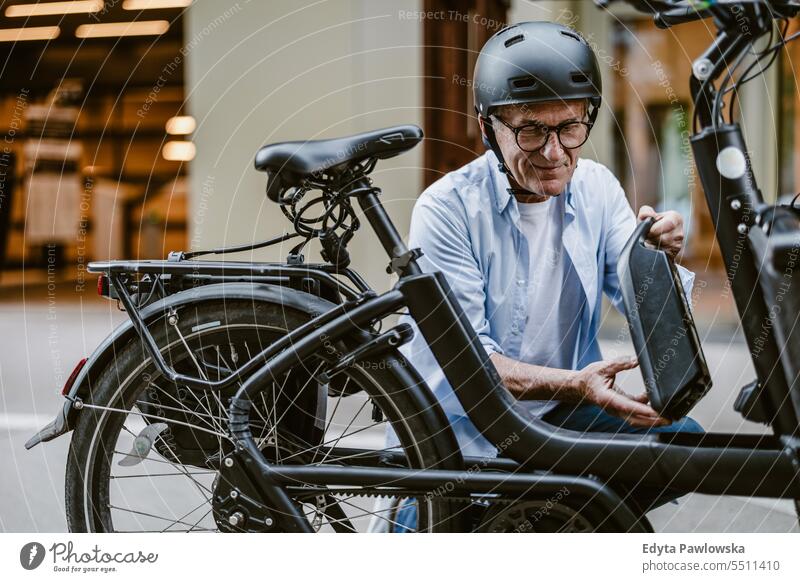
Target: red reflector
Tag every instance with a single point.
(71, 380)
(102, 286)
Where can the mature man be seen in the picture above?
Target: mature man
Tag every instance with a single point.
(529, 236)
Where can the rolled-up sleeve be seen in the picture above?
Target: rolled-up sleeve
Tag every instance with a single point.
(621, 223)
(438, 227)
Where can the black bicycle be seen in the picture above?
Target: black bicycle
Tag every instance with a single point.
(257, 396)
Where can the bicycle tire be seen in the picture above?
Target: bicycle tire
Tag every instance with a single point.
(93, 447)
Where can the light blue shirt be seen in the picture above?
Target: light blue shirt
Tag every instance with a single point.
(468, 226)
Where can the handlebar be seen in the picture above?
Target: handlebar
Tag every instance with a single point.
(667, 13)
(679, 16)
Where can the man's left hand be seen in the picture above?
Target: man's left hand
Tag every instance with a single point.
(667, 232)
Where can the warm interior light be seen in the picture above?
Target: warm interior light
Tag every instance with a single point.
(152, 4)
(47, 8)
(32, 33)
(141, 28)
(179, 151)
(181, 125)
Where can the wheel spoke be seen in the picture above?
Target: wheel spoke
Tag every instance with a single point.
(367, 513)
(151, 475)
(173, 409)
(145, 415)
(285, 424)
(202, 517)
(187, 514)
(352, 420)
(146, 514)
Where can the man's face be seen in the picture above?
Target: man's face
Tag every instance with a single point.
(547, 170)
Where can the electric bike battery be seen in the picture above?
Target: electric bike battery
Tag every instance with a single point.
(662, 329)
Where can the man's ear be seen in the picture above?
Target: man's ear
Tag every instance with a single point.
(482, 125)
(484, 137)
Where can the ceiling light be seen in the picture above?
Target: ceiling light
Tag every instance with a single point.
(140, 28)
(48, 8)
(181, 125)
(32, 33)
(153, 4)
(179, 151)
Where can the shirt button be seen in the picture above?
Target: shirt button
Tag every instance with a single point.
(520, 283)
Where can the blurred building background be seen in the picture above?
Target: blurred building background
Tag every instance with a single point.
(130, 126)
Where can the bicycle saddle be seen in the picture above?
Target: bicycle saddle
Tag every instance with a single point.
(297, 160)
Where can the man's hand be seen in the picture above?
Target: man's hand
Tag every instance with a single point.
(667, 232)
(595, 383)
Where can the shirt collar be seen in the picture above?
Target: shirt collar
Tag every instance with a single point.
(500, 186)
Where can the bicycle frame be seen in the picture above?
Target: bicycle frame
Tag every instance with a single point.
(709, 463)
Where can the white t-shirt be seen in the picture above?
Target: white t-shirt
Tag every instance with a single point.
(555, 294)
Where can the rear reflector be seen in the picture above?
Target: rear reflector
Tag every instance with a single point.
(71, 380)
(102, 286)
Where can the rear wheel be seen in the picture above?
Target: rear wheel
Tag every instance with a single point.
(145, 452)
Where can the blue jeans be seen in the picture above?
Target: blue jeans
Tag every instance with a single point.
(589, 418)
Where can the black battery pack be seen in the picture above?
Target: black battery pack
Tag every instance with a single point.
(662, 329)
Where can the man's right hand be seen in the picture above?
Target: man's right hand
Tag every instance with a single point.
(595, 383)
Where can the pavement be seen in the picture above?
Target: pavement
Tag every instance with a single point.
(44, 332)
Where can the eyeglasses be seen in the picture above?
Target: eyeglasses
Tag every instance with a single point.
(531, 137)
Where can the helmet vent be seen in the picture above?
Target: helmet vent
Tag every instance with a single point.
(570, 34)
(579, 79)
(514, 40)
(524, 83)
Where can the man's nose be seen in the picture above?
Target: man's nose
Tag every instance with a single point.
(552, 150)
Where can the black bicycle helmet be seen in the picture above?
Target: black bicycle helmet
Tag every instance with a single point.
(532, 62)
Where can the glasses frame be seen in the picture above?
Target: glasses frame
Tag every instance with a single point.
(550, 129)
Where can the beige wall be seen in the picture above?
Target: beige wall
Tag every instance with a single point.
(283, 70)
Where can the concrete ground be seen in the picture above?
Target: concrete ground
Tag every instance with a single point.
(43, 334)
